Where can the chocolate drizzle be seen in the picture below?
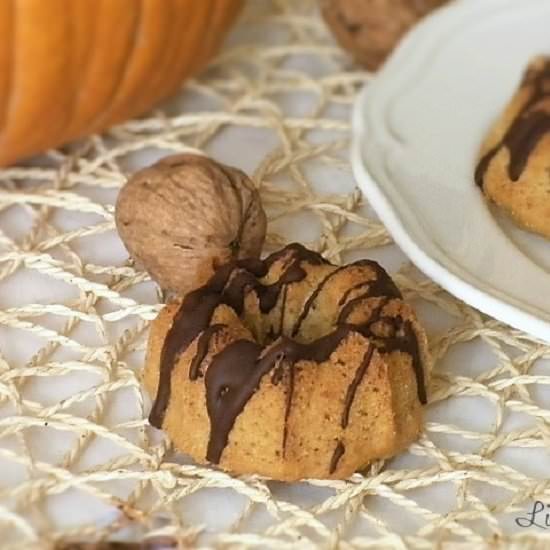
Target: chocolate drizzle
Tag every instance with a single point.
(269, 295)
(288, 404)
(229, 389)
(336, 456)
(348, 402)
(403, 337)
(185, 328)
(311, 300)
(190, 320)
(382, 285)
(202, 349)
(235, 373)
(352, 389)
(283, 311)
(526, 130)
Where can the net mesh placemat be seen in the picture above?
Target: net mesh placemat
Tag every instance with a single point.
(78, 460)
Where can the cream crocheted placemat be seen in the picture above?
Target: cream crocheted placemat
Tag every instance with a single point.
(78, 461)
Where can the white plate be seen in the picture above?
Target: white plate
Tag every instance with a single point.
(417, 130)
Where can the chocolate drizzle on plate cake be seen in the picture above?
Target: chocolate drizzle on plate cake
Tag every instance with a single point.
(529, 126)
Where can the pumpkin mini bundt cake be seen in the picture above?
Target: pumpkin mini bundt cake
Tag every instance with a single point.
(289, 367)
(514, 167)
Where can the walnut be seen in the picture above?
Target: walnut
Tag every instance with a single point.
(187, 214)
(370, 29)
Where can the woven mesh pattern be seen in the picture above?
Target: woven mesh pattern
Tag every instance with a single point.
(78, 460)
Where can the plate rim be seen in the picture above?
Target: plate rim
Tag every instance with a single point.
(473, 295)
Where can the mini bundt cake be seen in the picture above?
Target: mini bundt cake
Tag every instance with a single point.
(289, 367)
(514, 167)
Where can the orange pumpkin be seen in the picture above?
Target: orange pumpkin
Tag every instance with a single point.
(72, 67)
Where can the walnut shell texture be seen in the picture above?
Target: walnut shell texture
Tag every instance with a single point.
(187, 214)
(370, 29)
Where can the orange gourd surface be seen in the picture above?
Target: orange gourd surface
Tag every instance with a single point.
(72, 67)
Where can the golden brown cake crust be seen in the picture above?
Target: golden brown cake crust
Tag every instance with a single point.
(514, 165)
(289, 368)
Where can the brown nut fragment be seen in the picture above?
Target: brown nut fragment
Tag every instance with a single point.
(370, 29)
(187, 214)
